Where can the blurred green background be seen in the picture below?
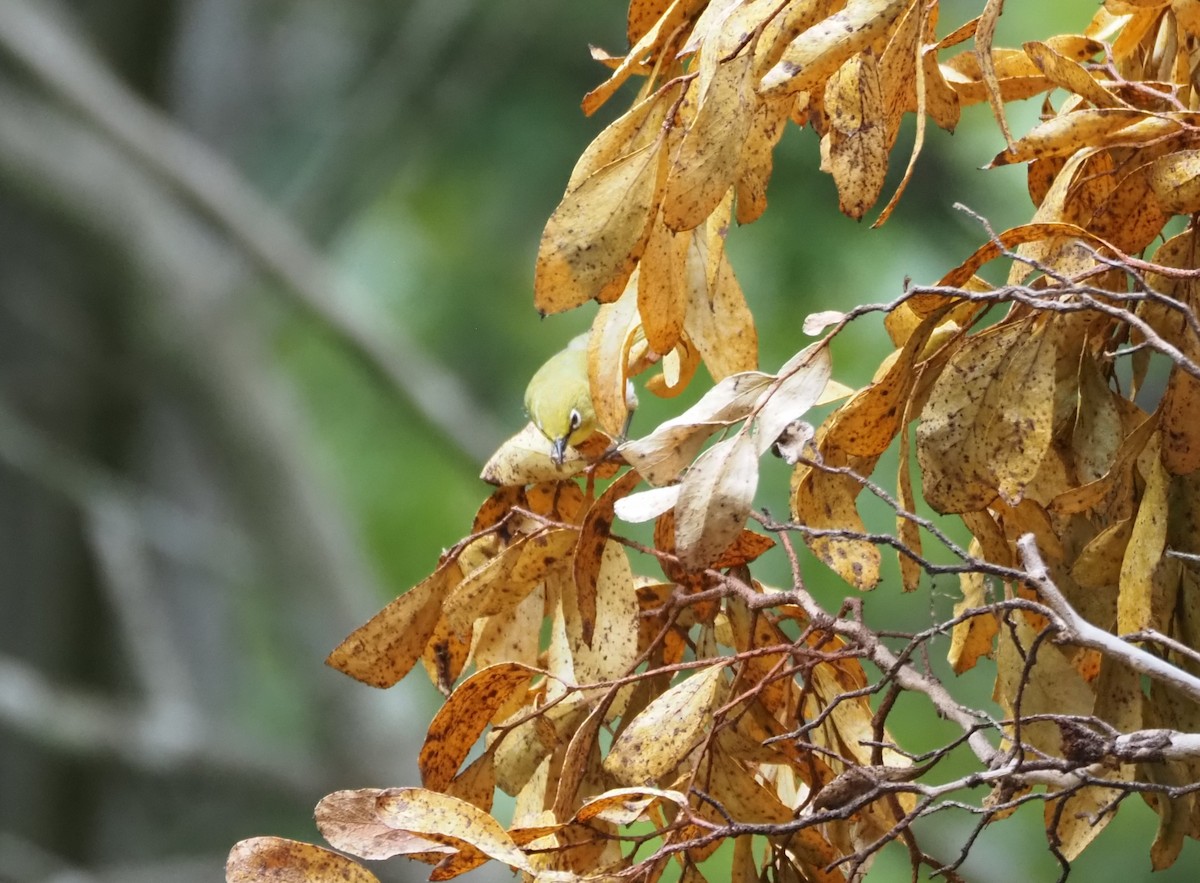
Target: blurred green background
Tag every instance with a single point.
(265, 307)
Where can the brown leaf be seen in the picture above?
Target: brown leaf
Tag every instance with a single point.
(855, 148)
(719, 322)
(714, 500)
(985, 31)
(662, 286)
(652, 42)
(972, 638)
(289, 861)
(1064, 135)
(449, 821)
(594, 238)
(612, 649)
(1069, 74)
(758, 156)
(826, 501)
(350, 821)
(610, 349)
(624, 806)
(462, 719)
(385, 649)
(589, 550)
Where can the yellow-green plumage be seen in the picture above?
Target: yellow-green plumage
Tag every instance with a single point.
(559, 398)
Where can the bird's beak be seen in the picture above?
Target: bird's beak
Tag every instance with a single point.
(558, 450)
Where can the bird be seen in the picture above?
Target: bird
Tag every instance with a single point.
(559, 398)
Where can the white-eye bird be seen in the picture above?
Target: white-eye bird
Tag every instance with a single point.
(559, 398)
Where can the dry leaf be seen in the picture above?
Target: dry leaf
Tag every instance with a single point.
(659, 738)
(288, 861)
(714, 500)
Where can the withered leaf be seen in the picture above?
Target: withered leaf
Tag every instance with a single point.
(855, 148)
(1137, 605)
(383, 650)
(820, 50)
(667, 729)
(462, 719)
(714, 500)
(504, 581)
(802, 380)
(988, 422)
(706, 163)
(289, 861)
(594, 238)
(525, 459)
(349, 820)
(624, 806)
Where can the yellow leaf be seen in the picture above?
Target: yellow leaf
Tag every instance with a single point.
(718, 322)
(855, 149)
(826, 501)
(668, 729)
(594, 535)
(611, 650)
(505, 581)
(988, 422)
(1137, 605)
(462, 719)
(289, 861)
(385, 649)
(973, 637)
(1069, 74)
(449, 821)
(662, 286)
(714, 500)
(1098, 564)
(820, 50)
(624, 806)
(706, 162)
(594, 238)
(611, 341)
(1175, 180)
(526, 459)
(1065, 134)
(652, 42)
(511, 636)
(758, 155)
(1097, 434)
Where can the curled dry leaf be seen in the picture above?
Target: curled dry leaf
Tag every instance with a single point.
(624, 806)
(288, 861)
(714, 500)
(447, 821)
(802, 382)
(855, 147)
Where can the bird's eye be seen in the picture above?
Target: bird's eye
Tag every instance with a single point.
(576, 419)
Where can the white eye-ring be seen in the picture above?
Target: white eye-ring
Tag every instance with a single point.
(576, 419)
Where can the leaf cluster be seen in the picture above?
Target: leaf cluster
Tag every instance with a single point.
(643, 720)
